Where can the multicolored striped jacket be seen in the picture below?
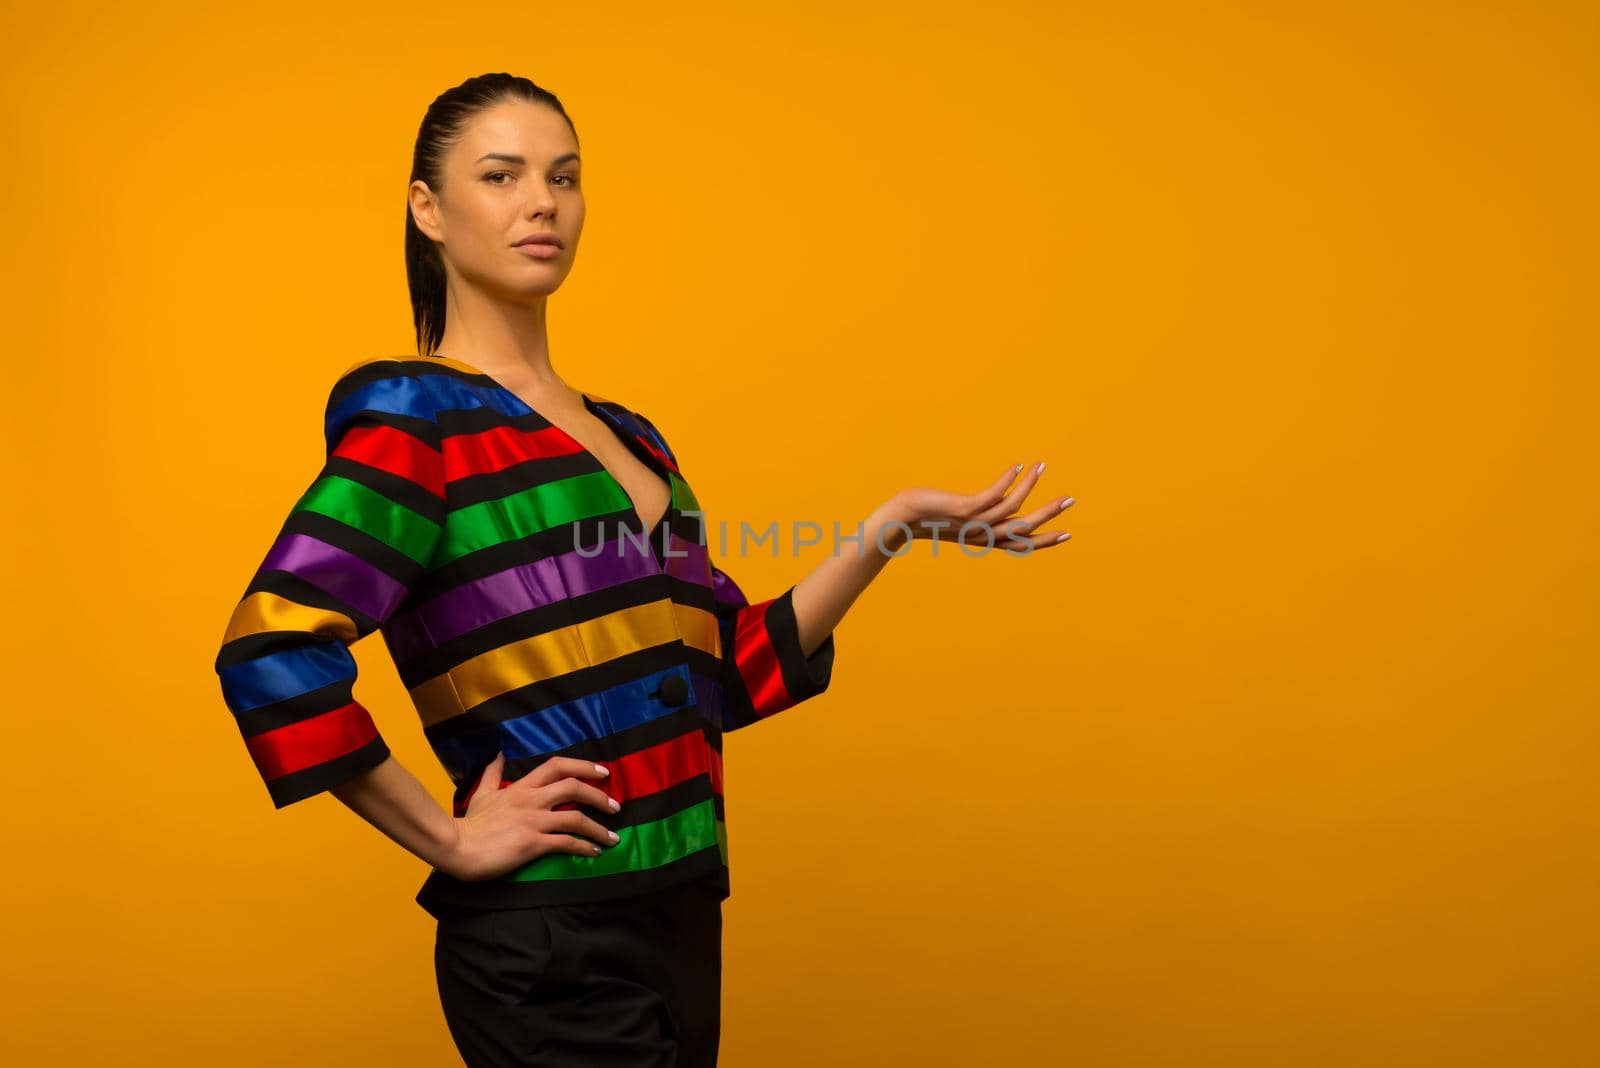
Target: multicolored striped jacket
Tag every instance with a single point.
(526, 612)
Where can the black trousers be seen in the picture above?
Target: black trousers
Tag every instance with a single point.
(630, 983)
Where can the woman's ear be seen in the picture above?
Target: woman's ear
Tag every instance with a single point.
(425, 210)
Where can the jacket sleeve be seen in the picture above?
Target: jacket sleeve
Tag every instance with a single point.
(764, 668)
(351, 548)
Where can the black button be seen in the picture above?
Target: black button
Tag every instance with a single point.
(674, 691)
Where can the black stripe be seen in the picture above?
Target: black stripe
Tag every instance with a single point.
(621, 423)
(462, 421)
(493, 485)
(570, 686)
(803, 677)
(694, 594)
(308, 781)
(530, 624)
(646, 808)
(424, 430)
(292, 588)
(374, 551)
(397, 488)
(359, 378)
(587, 534)
(440, 891)
(301, 706)
(661, 439)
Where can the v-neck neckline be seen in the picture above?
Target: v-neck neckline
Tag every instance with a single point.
(594, 405)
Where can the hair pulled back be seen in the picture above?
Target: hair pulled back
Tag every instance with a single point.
(442, 126)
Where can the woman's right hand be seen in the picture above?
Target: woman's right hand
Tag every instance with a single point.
(506, 827)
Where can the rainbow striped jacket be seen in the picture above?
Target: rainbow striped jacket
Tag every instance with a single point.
(526, 612)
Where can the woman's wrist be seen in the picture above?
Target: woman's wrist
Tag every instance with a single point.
(888, 528)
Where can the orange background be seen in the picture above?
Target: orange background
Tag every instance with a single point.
(1287, 758)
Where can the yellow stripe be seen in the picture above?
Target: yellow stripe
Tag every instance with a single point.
(449, 362)
(699, 628)
(262, 612)
(436, 699)
(367, 361)
(556, 652)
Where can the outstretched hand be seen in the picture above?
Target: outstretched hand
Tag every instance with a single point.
(939, 514)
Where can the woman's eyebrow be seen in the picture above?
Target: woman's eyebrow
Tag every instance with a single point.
(521, 161)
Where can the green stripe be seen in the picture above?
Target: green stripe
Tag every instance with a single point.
(541, 507)
(642, 846)
(370, 512)
(683, 498)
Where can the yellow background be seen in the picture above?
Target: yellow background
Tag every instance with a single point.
(1286, 758)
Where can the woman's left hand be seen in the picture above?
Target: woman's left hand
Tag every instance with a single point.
(939, 514)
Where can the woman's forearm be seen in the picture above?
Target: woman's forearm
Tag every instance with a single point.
(823, 597)
(392, 799)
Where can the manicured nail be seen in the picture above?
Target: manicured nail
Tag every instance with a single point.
(615, 804)
(1017, 470)
(601, 768)
(613, 835)
(1063, 538)
(1066, 502)
(1041, 468)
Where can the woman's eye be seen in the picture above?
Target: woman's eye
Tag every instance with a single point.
(492, 175)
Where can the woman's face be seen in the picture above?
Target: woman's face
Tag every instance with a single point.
(513, 174)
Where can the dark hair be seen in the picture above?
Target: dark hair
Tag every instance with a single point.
(442, 125)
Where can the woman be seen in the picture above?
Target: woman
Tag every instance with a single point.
(534, 557)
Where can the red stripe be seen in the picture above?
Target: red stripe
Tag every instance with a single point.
(502, 447)
(757, 660)
(659, 455)
(389, 449)
(654, 769)
(716, 772)
(647, 771)
(297, 746)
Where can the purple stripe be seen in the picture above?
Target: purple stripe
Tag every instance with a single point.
(520, 589)
(343, 575)
(687, 560)
(726, 591)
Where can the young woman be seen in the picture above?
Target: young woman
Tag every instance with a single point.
(536, 560)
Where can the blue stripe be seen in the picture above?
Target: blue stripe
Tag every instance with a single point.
(563, 725)
(278, 677)
(452, 393)
(389, 396)
(659, 440)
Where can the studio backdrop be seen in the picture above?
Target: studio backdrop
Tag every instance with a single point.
(1286, 758)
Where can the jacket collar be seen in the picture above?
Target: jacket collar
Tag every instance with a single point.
(632, 432)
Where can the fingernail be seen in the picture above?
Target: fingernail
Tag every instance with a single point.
(1066, 502)
(614, 836)
(1063, 538)
(1017, 469)
(601, 768)
(615, 804)
(1041, 467)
